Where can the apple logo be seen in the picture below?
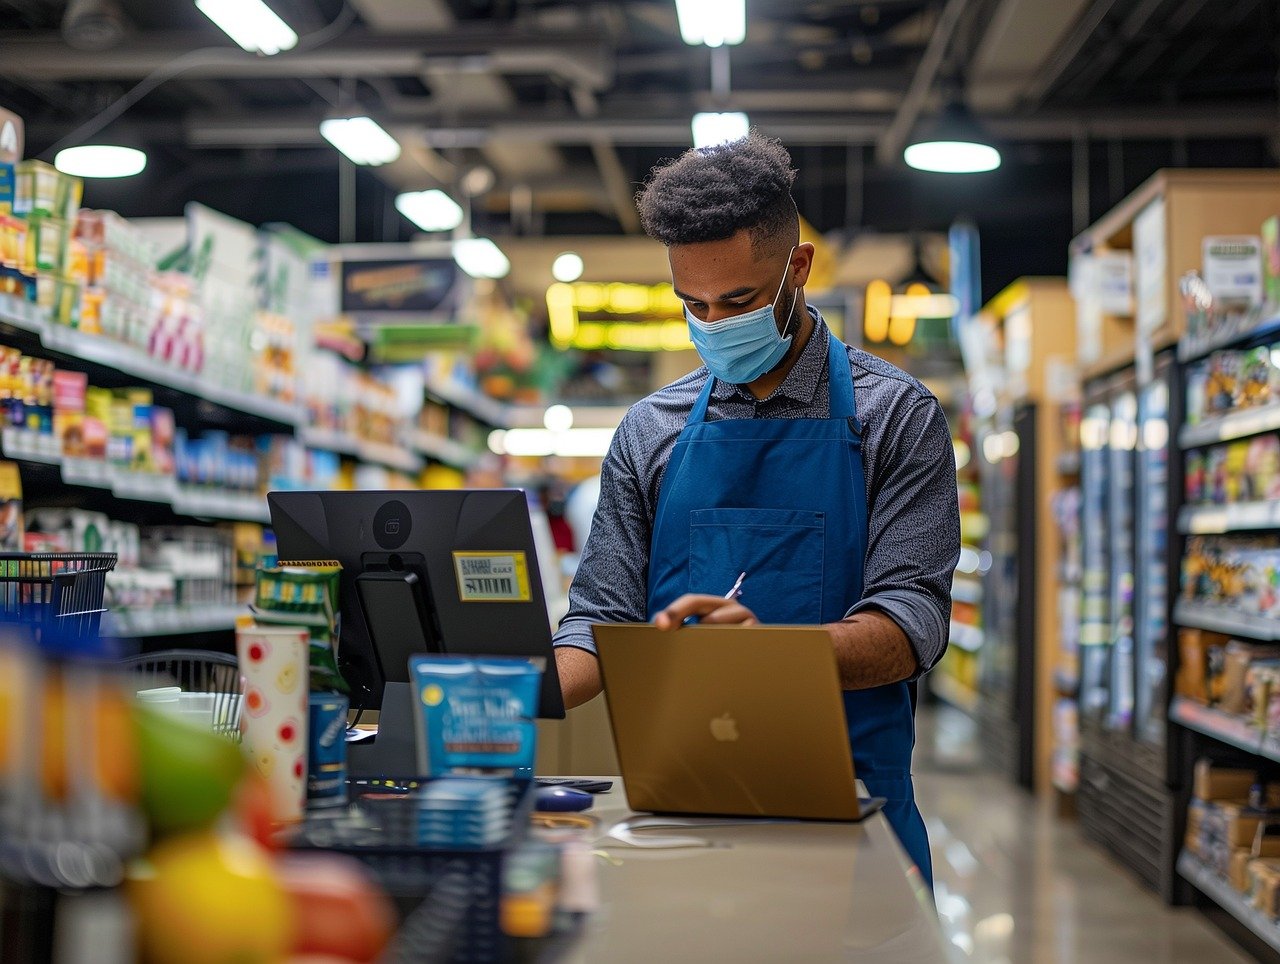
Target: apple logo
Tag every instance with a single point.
(724, 728)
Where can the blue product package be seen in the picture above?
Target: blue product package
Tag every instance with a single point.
(327, 750)
(474, 713)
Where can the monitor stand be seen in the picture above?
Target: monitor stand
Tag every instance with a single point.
(393, 752)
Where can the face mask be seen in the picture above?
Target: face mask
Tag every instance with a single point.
(740, 349)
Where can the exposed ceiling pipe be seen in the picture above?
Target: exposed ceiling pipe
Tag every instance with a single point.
(894, 138)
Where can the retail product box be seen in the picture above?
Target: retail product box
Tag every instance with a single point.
(1239, 657)
(46, 242)
(1201, 654)
(1264, 882)
(1240, 823)
(1233, 268)
(8, 187)
(1222, 784)
(1271, 260)
(43, 190)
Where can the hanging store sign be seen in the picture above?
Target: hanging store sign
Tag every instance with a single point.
(417, 286)
(624, 317)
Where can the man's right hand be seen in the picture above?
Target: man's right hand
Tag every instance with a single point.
(579, 671)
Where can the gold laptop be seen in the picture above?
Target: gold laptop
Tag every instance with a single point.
(729, 720)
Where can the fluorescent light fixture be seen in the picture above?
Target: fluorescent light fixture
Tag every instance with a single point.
(712, 22)
(361, 140)
(955, 144)
(710, 129)
(952, 157)
(558, 418)
(480, 258)
(567, 267)
(430, 210)
(100, 160)
(251, 24)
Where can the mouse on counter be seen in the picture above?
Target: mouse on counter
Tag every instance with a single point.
(561, 799)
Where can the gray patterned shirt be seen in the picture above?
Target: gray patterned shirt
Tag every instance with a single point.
(913, 538)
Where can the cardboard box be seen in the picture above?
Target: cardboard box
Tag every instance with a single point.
(1264, 879)
(1216, 783)
(1239, 872)
(1195, 826)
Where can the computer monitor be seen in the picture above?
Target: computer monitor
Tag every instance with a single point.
(452, 571)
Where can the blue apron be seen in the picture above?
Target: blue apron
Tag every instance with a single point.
(785, 500)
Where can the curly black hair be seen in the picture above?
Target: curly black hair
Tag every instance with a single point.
(711, 193)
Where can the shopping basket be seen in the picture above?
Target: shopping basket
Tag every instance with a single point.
(55, 592)
(196, 671)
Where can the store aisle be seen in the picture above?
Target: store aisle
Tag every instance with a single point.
(1016, 884)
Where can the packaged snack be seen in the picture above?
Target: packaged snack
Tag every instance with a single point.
(1262, 468)
(1255, 377)
(1194, 477)
(11, 534)
(1271, 260)
(1216, 474)
(1222, 385)
(474, 714)
(1235, 486)
(305, 594)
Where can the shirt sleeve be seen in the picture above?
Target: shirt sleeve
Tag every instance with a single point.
(913, 537)
(611, 584)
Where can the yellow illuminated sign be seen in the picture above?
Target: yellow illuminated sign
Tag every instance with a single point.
(649, 317)
(890, 317)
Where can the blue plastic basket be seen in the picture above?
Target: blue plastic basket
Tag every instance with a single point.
(59, 592)
(450, 900)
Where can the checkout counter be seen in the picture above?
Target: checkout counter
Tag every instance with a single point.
(757, 891)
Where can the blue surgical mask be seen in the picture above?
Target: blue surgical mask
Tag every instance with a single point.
(742, 348)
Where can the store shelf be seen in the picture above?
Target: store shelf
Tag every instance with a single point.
(374, 453)
(128, 360)
(170, 621)
(201, 503)
(1068, 462)
(1233, 425)
(1225, 727)
(1240, 517)
(444, 449)
(1220, 620)
(469, 399)
(1246, 328)
(966, 590)
(1216, 887)
(953, 693)
(968, 638)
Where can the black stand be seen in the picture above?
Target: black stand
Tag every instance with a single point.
(392, 752)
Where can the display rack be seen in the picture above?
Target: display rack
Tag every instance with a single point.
(1210, 883)
(443, 449)
(190, 501)
(1218, 619)
(372, 453)
(98, 350)
(470, 400)
(171, 621)
(1234, 425)
(1221, 519)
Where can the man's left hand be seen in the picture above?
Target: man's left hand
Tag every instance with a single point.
(708, 609)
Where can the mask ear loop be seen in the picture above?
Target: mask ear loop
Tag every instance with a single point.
(794, 298)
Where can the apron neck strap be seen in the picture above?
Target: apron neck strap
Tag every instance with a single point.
(839, 382)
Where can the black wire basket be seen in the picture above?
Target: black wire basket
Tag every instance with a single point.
(55, 592)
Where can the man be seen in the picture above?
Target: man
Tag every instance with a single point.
(822, 472)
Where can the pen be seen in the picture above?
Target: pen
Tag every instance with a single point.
(734, 592)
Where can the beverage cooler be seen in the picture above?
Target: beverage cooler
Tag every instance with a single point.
(1126, 492)
(1006, 683)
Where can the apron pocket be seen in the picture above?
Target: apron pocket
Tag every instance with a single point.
(781, 551)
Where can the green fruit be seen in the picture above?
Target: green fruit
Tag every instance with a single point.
(188, 773)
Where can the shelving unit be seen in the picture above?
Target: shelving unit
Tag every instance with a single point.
(1219, 620)
(444, 449)
(171, 621)
(1236, 517)
(1210, 883)
(373, 453)
(101, 351)
(1233, 425)
(197, 503)
(470, 400)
